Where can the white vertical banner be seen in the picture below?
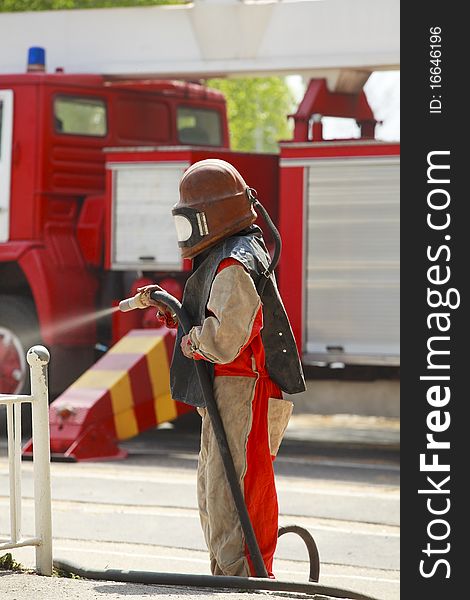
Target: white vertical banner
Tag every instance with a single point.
(6, 142)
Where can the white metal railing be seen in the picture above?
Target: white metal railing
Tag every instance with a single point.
(38, 359)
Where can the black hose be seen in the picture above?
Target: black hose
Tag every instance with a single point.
(219, 432)
(313, 555)
(253, 197)
(209, 581)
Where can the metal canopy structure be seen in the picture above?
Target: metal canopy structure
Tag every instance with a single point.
(210, 38)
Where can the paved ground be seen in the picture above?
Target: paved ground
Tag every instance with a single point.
(14, 586)
(337, 476)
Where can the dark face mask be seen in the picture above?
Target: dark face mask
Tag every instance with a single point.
(191, 226)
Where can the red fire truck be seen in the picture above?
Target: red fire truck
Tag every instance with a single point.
(89, 170)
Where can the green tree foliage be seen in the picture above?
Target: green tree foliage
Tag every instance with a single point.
(257, 111)
(24, 5)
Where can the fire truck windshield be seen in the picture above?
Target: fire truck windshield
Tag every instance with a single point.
(199, 126)
(77, 115)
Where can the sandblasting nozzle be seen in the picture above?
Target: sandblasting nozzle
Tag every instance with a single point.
(132, 303)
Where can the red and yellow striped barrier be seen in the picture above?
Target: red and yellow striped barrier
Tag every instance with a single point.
(123, 394)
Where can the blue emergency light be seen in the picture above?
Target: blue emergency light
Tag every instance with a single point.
(36, 59)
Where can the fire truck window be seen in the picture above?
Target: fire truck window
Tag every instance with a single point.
(199, 126)
(80, 116)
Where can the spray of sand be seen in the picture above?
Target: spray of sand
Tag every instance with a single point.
(75, 322)
(70, 324)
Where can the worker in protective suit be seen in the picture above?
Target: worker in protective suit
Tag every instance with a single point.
(248, 345)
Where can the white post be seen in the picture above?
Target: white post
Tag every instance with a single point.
(14, 460)
(38, 359)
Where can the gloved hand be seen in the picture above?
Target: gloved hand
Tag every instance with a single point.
(187, 347)
(147, 300)
(164, 314)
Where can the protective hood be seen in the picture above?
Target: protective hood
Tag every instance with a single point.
(215, 203)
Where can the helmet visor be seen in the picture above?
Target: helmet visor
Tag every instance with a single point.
(184, 229)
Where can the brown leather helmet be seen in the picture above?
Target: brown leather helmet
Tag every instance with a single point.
(215, 203)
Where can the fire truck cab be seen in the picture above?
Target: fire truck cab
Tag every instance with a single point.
(53, 129)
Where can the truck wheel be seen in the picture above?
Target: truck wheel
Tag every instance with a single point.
(19, 330)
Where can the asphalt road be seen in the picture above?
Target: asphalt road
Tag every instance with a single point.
(141, 513)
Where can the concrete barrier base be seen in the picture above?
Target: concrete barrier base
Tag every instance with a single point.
(379, 398)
